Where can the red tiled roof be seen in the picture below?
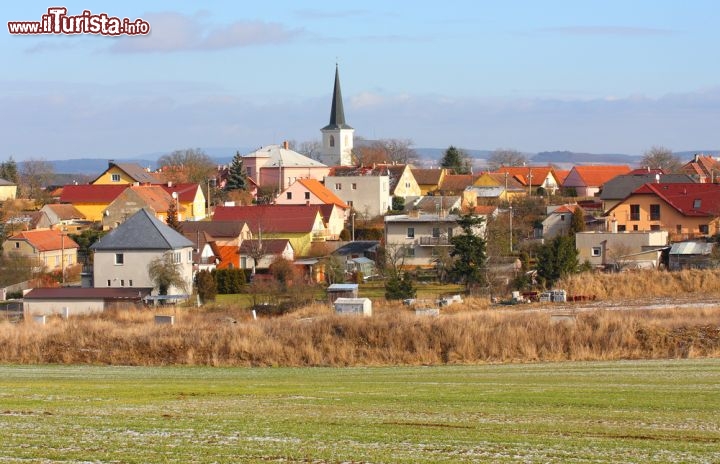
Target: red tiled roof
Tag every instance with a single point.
(45, 239)
(486, 210)
(186, 192)
(566, 209)
(689, 199)
(271, 218)
(155, 197)
(87, 193)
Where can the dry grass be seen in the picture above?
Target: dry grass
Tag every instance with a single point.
(467, 333)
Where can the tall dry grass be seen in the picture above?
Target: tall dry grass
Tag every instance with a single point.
(472, 332)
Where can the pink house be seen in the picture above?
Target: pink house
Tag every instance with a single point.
(276, 167)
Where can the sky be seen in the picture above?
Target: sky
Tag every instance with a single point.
(586, 76)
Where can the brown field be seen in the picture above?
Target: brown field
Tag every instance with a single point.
(613, 327)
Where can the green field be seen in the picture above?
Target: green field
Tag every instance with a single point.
(634, 411)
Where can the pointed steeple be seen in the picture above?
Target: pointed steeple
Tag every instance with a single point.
(337, 113)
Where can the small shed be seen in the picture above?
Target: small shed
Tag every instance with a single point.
(691, 255)
(336, 291)
(356, 306)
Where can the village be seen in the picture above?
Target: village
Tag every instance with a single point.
(136, 236)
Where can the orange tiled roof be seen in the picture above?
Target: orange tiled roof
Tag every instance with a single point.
(45, 239)
(320, 191)
(596, 176)
(427, 176)
(456, 182)
(155, 196)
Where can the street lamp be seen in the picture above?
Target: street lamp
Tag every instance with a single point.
(177, 205)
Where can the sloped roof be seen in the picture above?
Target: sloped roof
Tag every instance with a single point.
(216, 229)
(186, 192)
(227, 254)
(484, 210)
(5, 182)
(283, 157)
(703, 165)
(358, 247)
(319, 190)
(596, 176)
(567, 208)
(561, 174)
(134, 171)
(64, 211)
(691, 199)
(272, 246)
(456, 182)
(85, 293)
(88, 193)
(46, 239)
(528, 175)
(346, 171)
(271, 218)
(691, 248)
(154, 196)
(620, 187)
(427, 176)
(432, 203)
(142, 231)
(501, 179)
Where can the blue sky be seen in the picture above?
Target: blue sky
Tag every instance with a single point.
(588, 76)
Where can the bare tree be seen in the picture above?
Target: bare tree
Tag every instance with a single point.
(384, 151)
(190, 165)
(659, 157)
(311, 148)
(505, 157)
(35, 175)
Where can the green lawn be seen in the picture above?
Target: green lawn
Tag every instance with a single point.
(638, 411)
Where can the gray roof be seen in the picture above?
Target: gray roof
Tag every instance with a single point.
(357, 247)
(337, 113)
(620, 187)
(142, 231)
(691, 248)
(88, 293)
(6, 182)
(282, 157)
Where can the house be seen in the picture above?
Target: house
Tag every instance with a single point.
(703, 169)
(365, 189)
(275, 167)
(8, 190)
(216, 244)
(72, 301)
(533, 178)
(91, 200)
(685, 210)
(190, 200)
(49, 248)
(359, 256)
(493, 186)
(126, 174)
(417, 239)
(402, 180)
(691, 255)
(588, 181)
(428, 179)
(65, 217)
(455, 184)
(620, 187)
(258, 255)
(621, 249)
(312, 192)
(298, 223)
(153, 198)
(122, 256)
(433, 204)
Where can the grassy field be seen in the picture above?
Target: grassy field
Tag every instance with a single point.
(627, 411)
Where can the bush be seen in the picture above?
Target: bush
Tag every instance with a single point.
(206, 286)
(229, 281)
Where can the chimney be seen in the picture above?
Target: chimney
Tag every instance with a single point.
(285, 144)
(169, 184)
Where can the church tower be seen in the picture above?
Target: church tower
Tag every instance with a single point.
(337, 137)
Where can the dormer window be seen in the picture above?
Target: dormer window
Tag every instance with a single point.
(697, 203)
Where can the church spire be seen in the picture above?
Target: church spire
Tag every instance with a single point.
(337, 113)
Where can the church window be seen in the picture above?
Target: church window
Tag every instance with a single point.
(332, 140)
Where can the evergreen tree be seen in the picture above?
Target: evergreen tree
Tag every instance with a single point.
(237, 178)
(206, 286)
(9, 170)
(457, 160)
(468, 250)
(556, 259)
(578, 221)
(400, 287)
(172, 216)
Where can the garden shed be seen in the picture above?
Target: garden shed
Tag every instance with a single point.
(356, 306)
(336, 291)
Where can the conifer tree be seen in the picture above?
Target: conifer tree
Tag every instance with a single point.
(237, 178)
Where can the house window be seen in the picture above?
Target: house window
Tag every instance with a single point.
(678, 228)
(130, 282)
(190, 256)
(655, 227)
(596, 251)
(108, 282)
(450, 233)
(410, 232)
(119, 259)
(621, 228)
(17, 244)
(288, 195)
(115, 177)
(654, 212)
(243, 262)
(436, 232)
(697, 203)
(177, 258)
(635, 227)
(350, 203)
(562, 217)
(307, 195)
(407, 185)
(338, 186)
(634, 212)
(354, 186)
(410, 252)
(704, 229)
(122, 282)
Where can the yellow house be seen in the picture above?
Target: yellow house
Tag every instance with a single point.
(428, 179)
(91, 200)
(684, 210)
(126, 173)
(50, 248)
(8, 190)
(498, 186)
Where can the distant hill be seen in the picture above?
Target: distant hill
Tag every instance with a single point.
(569, 158)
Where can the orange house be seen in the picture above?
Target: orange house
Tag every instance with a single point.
(684, 210)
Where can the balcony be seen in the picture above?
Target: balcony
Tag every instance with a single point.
(434, 241)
